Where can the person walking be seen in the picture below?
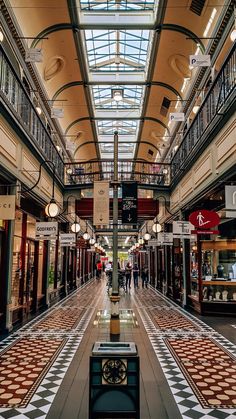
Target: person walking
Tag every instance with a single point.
(128, 270)
(99, 269)
(135, 275)
(144, 276)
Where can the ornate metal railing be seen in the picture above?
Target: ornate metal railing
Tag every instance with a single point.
(143, 172)
(218, 100)
(20, 104)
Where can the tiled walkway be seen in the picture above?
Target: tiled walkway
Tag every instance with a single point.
(198, 363)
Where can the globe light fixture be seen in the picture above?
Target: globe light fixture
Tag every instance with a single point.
(1, 36)
(52, 209)
(156, 228)
(141, 240)
(117, 95)
(92, 241)
(69, 171)
(86, 236)
(147, 236)
(75, 227)
(233, 35)
(38, 110)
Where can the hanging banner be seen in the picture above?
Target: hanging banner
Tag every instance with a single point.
(46, 230)
(101, 203)
(177, 116)
(200, 60)
(129, 202)
(182, 228)
(7, 207)
(33, 55)
(57, 113)
(67, 239)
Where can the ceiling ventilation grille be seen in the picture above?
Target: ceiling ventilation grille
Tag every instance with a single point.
(165, 106)
(197, 6)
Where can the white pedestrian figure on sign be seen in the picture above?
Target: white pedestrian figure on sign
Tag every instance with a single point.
(200, 219)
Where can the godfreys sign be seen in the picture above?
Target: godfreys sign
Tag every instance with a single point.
(46, 230)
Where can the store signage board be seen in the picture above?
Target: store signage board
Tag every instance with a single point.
(129, 202)
(230, 197)
(182, 228)
(182, 236)
(200, 60)
(153, 243)
(101, 203)
(177, 116)
(57, 113)
(33, 55)
(205, 232)
(46, 230)
(67, 239)
(165, 238)
(70, 146)
(7, 207)
(204, 219)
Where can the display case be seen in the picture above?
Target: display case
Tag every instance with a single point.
(213, 277)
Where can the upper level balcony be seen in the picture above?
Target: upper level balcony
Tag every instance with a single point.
(218, 105)
(16, 101)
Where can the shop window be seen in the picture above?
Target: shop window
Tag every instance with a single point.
(52, 261)
(17, 261)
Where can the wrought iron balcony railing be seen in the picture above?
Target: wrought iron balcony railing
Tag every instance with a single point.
(20, 104)
(84, 173)
(219, 99)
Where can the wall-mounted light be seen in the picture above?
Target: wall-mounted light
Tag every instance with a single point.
(75, 227)
(195, 108)
(38, 110)
(147, 236)
(1, 35)
(52, 209)
(156, 228)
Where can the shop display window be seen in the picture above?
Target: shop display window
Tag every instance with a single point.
(17, 261)
(52, 262)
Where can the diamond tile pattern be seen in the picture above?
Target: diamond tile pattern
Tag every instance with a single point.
(198, 363)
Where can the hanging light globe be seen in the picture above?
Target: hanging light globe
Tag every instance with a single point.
(141, 240)
(156, 228)
(86, 236)
(75, 227)
(52, 209)
(92, 241)
(147, 236)
(233, 35)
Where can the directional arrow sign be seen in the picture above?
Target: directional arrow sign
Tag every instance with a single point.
(129, 203)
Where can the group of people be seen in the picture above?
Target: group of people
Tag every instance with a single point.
(135, 270)
(129, 270)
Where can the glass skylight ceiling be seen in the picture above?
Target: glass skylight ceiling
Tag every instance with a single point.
(117, 50)
(103, 97)
(117, 4)
(115, 55)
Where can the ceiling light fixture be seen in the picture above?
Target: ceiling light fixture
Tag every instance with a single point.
(117, 94)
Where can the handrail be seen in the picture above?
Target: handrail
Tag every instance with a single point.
(20, 103)
(216, 99)
(144, 172)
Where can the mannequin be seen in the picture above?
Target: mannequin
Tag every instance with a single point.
(225, 295)
(234, 270)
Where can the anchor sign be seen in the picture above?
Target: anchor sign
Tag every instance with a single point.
(204, 219)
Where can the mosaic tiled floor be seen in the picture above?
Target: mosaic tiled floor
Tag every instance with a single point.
(34, 360)
(199, 364)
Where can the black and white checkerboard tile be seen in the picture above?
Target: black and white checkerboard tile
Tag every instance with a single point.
(183, 394)
(42, 399)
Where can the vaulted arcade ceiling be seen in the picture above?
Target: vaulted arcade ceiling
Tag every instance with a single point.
(117, 65)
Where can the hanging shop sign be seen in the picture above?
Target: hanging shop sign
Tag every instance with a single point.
(67, 239)
(204, 219)
(182, 229)
(70, 146)
(57, 113)
(230, 201)
(177, 116)
(7, 207)
(165, 238)
(200, 60)
(205, 232)
(153, 243)
(129, 202)
(33, 55)
(46, 230)
(101, 203)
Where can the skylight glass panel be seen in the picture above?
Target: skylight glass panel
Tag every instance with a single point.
(123, 127)
(117, 5)
(117, 51)
(131, 97)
